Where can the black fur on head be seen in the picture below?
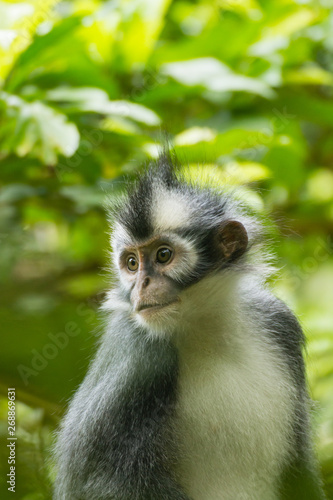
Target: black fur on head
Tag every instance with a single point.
(136, 213)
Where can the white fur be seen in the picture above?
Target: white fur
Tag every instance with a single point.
(119, 239)
(186, 257)
(235, 399)
(170, 211)
(113, 302)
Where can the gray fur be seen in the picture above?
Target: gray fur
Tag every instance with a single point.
(208, 400)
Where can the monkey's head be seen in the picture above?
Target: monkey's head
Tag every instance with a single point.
(169, 236)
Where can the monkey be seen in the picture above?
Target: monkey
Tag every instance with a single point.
(198, 388)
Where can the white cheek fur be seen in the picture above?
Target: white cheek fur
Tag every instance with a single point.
(113, 302)
(186, 258)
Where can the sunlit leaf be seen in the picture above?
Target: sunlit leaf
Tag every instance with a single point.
(97, 101)
(40, 52)
(291, 22)
(119, 125)
(309, 75)
(245, 172)
(214, 75)
(141, 20)
(127, 109)
(82, 96)
(24, 19)
(37, 130)
(320, 185)
(195, 135)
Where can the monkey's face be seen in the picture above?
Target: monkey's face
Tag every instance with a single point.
(160, 275)
(154, 273)
(167, 239)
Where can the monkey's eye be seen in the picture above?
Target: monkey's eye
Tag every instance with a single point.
(163, 255)
(132, 263)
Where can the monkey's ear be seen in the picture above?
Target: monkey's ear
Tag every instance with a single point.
(232, 239)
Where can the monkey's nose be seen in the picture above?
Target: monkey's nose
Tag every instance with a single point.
(146, 282)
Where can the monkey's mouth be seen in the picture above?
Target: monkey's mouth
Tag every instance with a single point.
(155, 307)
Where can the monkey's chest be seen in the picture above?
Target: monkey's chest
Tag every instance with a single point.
(233, 421)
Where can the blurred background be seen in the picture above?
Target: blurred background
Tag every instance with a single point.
(244, 87)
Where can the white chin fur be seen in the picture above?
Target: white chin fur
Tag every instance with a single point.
(161, 321)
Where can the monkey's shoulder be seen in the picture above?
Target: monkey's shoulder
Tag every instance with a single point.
(281, 327)
(276, 315)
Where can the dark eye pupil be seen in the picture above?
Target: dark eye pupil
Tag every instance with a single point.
(132, 264)
(163, 255)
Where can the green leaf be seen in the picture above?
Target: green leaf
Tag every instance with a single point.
(41, 52)
(84, 196)
(95, 100)
(320, 185)
(291, 22)
(213, 75)
(15, 192)
(37, 130)
(302, 106)
(141, 23)
(126, 109)
(11, 13)
(79, 96)
(309, 75)
(195, 135)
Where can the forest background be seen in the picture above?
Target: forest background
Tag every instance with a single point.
(244, 87)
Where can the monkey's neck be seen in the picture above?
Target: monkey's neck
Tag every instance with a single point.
(218, 324)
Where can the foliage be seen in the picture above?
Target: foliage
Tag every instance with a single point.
(86, 86)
